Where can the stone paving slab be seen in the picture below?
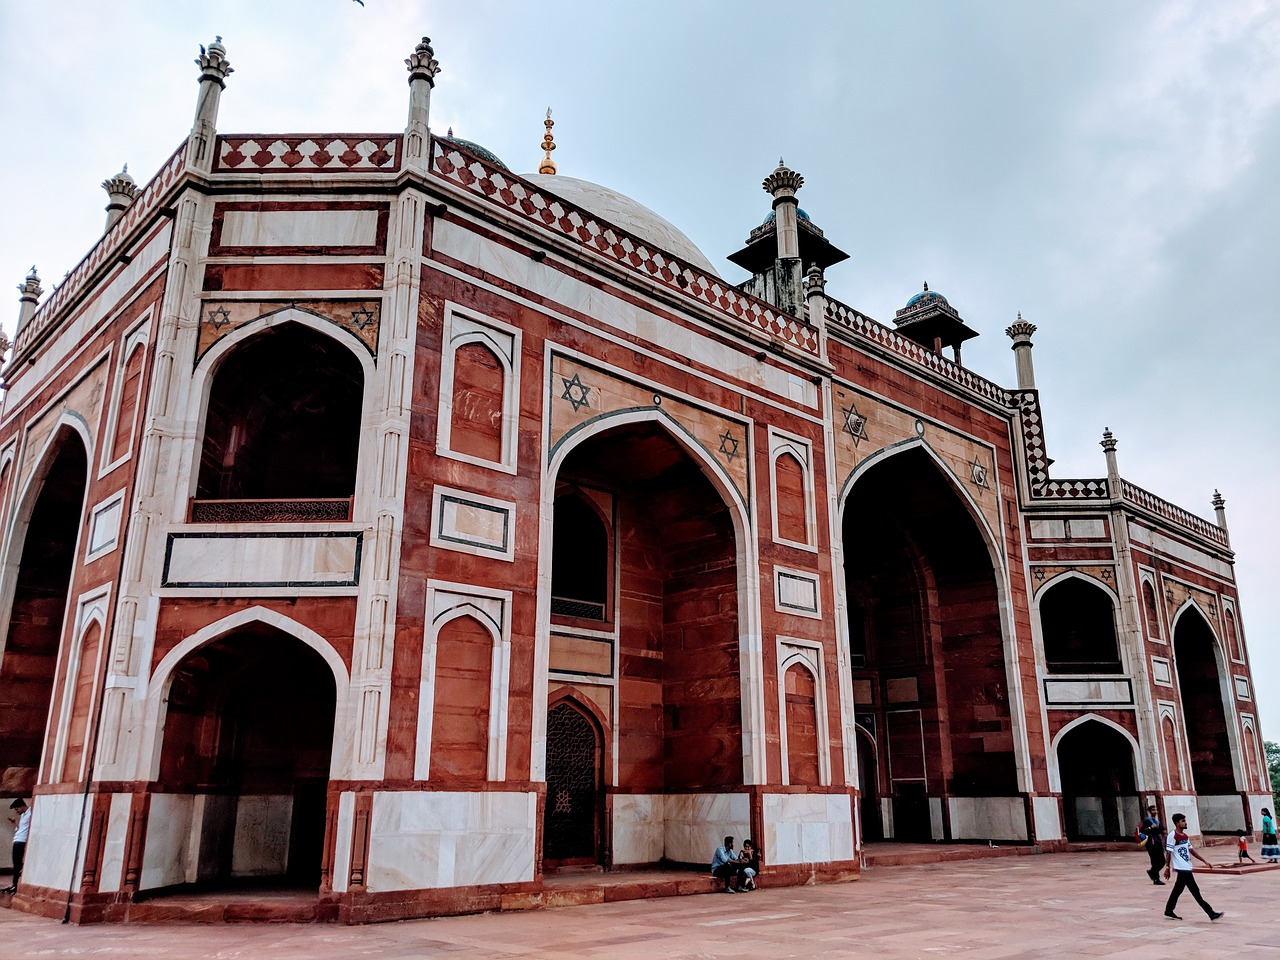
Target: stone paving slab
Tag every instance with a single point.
(1096, 905)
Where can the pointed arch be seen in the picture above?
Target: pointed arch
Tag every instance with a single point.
(157, 690)
(1201, 709)
(1078, 636)
(1055, 774)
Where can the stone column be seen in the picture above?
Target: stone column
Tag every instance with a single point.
(214, 69)
(783, 184)
(422, 80)
(815, 298)
(1108, 445)
(1220, 509)
(121, 191)
(30, 291)
(1020, 333)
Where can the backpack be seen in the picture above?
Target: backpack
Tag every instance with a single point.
(1140, 837)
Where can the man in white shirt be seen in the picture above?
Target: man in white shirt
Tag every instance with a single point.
(1177, 859)
(20, 835)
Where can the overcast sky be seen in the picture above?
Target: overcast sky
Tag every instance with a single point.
(1109, 169)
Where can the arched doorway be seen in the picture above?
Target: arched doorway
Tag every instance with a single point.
(925, 637)
(1099, 791)
(1078, 627)
(41, 590)
(663, 619)
(249, 730)
(1195, 655)
(573, 818)
(868, 788)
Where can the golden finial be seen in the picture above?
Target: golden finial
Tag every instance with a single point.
(548, 144)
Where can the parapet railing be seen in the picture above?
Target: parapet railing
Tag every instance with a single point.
(1134, 494)
(147, 200)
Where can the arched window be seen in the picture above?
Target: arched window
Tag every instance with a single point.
(476, 425)
(791, 502)
(282, 432)
(1150, 609)
(802, 726)
(460, 714)
(1172, 753)
(581, 561)
(1077, 621)
(127, 410)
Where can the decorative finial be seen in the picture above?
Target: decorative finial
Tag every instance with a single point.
(422, 63)
(1218, 501)
(1108, 440)
(1020, 331)
(926, 286)
(783, 182)
(213, 63)
(815, 280)
(548, 144)
(450, 132)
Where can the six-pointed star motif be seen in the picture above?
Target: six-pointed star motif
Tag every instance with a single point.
(576, 392)
(728, 445)
(219, 317)
(855, 424)
(978, 473)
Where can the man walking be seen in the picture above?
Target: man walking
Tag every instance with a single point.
(20, 835)
(1178, 858)
(1154, 830)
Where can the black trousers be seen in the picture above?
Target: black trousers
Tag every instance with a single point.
(19, 854)
(1156, 854)
(1187, 880)
(727, 871)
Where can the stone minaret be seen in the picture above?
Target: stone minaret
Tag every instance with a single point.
(214, 69)
(1020, 333)
(1220, 509)
(121, 191)
(422, 80)
(30, 295)
(783, 184)
(1113, 470)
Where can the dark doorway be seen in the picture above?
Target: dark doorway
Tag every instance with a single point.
(868, 790)
(36, 618)
(572, 818)
(250, 725)
(1077, 622)
(1099, 793)
(1196, 661)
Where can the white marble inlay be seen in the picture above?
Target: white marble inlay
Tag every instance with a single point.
(1221, 814)
(111, 870)
(1088, 691)
(639, 828)
(262, 560)
(807, 828)
(51, 848)
(261, 847)
(1048, 823)
(1048, 529)
(164, 858)
(430, 840)
(988, 818)
(299, 228)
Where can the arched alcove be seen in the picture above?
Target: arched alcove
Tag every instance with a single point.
(1077, 624)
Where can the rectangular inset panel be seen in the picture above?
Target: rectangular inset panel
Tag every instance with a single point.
(1161, 672)
(1049, 529)
(1087, 529)
(472, 523)
(581, 655)
(262, 560)
(1242, 688)
(1096, 691)
(862, 692)
(905, 730)
(796, 592)
(104, 526)
(902, 690)
(299, 228)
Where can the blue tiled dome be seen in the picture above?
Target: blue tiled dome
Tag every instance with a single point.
(484, 153)
(800, 215)
(924, 295)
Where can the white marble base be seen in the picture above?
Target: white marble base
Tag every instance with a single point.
(1255, 802)
(697, 823)
(639, 828)
(1221, 814)
(51, 848)
(261, 846)
(988, 818)
(111, 869)
(166, 856)
(807, 828)
(428, 840)
(1184, 804)
(1048, 824)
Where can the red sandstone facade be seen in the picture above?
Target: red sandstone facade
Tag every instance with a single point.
(383, 522)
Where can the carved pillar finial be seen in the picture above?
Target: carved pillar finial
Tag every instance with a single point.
(29, 295)
(1220, 509)
(121, 191)
(214, 70)
(423, 67)
(782, 184)
(1109, 448)
(1020, 333)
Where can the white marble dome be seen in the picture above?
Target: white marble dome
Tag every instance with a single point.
(626, 213)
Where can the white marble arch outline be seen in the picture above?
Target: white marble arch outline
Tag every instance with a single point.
(463, 327)
(1000, 569)
(1226, 691)
(91, 608)
(1250, 726)
(1168, 710)
(156, 695)
(207, 368)
(1126, 664)
(1055, 772)
(492, 610)
(15, 537)
(750, 638)
(137, 339)
(781, 444)
(809, 655)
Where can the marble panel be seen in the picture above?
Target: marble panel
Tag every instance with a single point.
(639, 828)
(51, 849)
(342, 842)
(1255, 802)
(432, 840)
(807, 828)
(1098, 691)
(261, 846)
(1048, 823)
(165, 856)
(698, 823)
(1220, 814)
(937, 827)
(988, 818)
(1048, 529)
(473, 523)
(104, 526)
(1169, 547)
(1162, 671)
(1184, 804)
(111, 868)
(1087, 529)
(300, 228)
(282, 560)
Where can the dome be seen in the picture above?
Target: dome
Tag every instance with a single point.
(484, 153)
(926, 295)
(773, 214)
(621, 210)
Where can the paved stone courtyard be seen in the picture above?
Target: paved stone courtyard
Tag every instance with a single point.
(1063, 905)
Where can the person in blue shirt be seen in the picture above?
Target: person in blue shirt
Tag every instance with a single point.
(725, 865)
(1154, 830)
